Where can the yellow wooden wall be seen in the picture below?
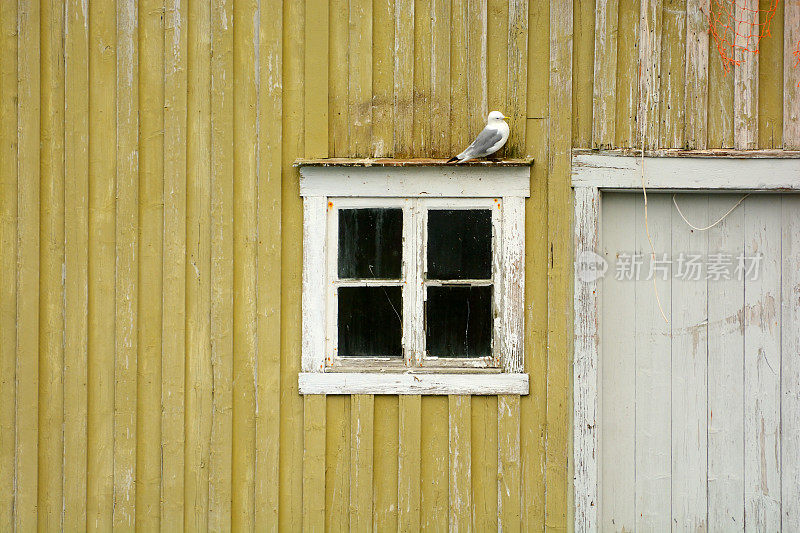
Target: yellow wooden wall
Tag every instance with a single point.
(151, 251)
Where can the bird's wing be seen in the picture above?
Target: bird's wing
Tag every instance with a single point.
(480, 146)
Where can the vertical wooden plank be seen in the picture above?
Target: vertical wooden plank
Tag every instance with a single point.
(720, 89)
(725, 371)
(508, 480)
(745, 76)
(338, 76)
(791, 76)
(559, 274)
(270, 84)
(404, 76)
(315, 106)
(770, 74)
(222, 265)
(361, 422)
(8, 258)
(583, 70)
(28, 267)
(245, 236)
(627, 89)
(359, 103)
(790, 365)
(484, 454)
(604, 85)
(421, 94)
(314, 463)
(440, 78)
(434, 464)
(174, 273)
(460, 448)
(337, 464)
(409, 463)
(385, 469)
(198, 415)
(383, 78)
(477, 51)
(151, 241)
(672, 74)
(654, 359)
(459, 77)
(291, 404)
(689, 371)
(696, 74)
(762, 362)
(101, 320)
(617, 371)
(648, 115)
(127, 225)
(76, 246)
(51, 258)
(533, 407)
(496, 78)
(587, 357)
(517, 86)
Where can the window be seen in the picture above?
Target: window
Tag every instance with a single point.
(413, 279)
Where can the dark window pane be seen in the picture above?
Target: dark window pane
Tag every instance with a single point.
(459, 322)
(460, 244)
(370, 243)
(370, 322)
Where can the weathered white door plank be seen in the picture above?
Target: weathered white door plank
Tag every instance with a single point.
(725, 371)
(762, 366)
(689, 366)
(790, 365)
(617, 378)
(652, 364)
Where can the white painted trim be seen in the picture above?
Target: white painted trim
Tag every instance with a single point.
(313, 302)
(586, 360)
(607, 171)
(592, 174)
(434, 181)
(411, 383)
(513, 284)
(415, 189)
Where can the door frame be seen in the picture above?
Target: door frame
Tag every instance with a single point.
(594, 172)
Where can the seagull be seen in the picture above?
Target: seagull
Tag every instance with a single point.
(490, 140)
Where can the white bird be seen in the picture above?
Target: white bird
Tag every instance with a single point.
(490, 140)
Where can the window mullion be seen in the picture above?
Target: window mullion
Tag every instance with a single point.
(415, 286)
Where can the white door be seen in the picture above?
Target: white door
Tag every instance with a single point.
(699, 425)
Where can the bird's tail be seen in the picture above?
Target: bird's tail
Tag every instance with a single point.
(453, 159)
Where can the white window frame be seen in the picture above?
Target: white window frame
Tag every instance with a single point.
(664, 171)
(329, 186)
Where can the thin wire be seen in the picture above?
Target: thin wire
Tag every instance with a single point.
(649, 238)
(674, 201)
(646, 221)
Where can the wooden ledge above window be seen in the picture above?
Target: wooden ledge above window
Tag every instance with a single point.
(414, 178)
(417, 162)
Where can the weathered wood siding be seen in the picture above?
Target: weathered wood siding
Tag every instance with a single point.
(699, 416)
(151, 244)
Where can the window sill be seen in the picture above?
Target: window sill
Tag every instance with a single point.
(412, 383)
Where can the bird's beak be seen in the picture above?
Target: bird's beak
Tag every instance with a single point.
(505, 118)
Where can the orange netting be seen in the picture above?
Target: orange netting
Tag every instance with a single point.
(797, 54)
(738, 27)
